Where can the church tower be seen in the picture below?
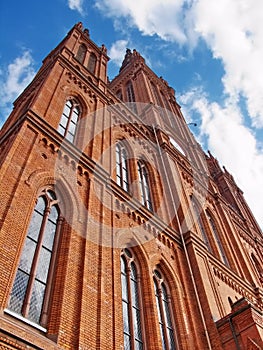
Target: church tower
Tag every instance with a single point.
(117, 231)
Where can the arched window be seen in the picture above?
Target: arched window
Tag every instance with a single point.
(119, 94)
(31, 288)
(131, 96)
(156, 94)
(81, 53)
(122, 166)
(92, 63)
(69, 120)
(258, 267)
(217, 238)
(198, 219)
(163, 304)
(144, 185)
(131, 309)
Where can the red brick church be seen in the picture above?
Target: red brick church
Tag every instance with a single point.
(117, 231)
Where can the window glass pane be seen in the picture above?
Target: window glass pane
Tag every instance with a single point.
(36, 301)
(61, 130)
(72, 128)
(50, 228)
(67, 108)
(18, 291)
(70, 137)
(138, 345)
(36, 220)
(126, 325)
(43, 265)
(75, 116)
(127, 342)
(137, 324)
(27, 255)
(69, 104)
(171, 339)
(64, 121)
(124, 287)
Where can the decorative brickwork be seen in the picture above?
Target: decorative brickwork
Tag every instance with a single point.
(154, 247)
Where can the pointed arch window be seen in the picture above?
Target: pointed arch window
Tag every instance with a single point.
(199, 220)
(163, 304)
(258, 266)
(131, 308)
(156, 94)
(92, 63)
(69, 120)
(122, 166)
(131, 96)
(144, 185)
(32, 285)
(217, 238)
(81, 53)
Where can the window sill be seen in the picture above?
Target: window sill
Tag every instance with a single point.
(25, 320)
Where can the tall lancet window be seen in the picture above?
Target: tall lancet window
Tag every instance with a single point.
(144, 185)
(200, 224)
(217, 238)
(69, 120)
(32, 285)
(92, 62)
(131, 96)
(163, 304)
(131, 308)
(81, 53)
(122, 166)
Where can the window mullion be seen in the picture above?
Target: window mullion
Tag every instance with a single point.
(163, 318)
(26, 304)
(44, 314)
(130, 314)
(69, 119)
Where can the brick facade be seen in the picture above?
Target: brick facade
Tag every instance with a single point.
(199, 234)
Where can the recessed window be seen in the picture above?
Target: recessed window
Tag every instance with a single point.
(69, 120)
(81, 53)
(144, 185)
(199, 220)
(92, 63)
(122, 175)
(131, 96)
(163, 304)
(29, 297)
(131, 306)
(217, 238)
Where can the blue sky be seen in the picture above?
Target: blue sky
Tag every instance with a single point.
(209, 51)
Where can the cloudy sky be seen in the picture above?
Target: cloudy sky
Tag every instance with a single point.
(210, 52)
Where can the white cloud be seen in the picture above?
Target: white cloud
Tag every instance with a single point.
(18, 75)
(117, 51)
(233, 30)
(76, 5)
(233, 144)
(150, 17)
